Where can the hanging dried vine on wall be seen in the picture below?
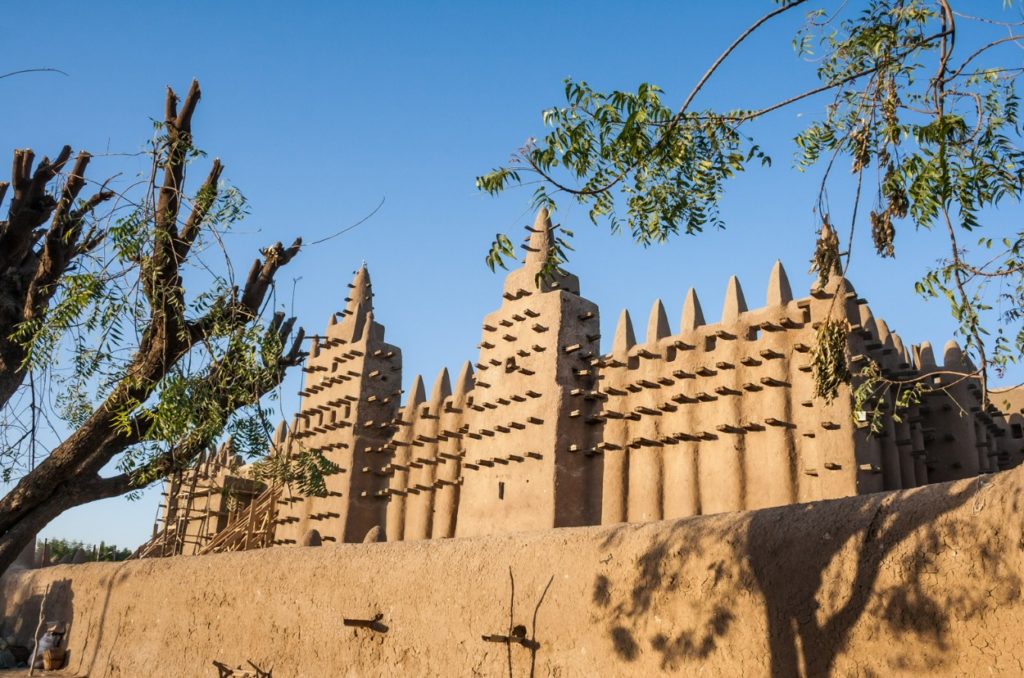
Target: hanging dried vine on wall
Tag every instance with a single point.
(830, 367)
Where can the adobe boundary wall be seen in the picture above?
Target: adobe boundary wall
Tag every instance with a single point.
(918, 581)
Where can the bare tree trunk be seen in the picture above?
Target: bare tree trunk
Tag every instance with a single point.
(34, 259)
(65, 495)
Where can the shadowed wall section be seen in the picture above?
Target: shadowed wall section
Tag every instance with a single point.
(924, 581)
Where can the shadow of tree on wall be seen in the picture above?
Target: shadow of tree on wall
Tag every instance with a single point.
(92, 644)
(660, 584)
(85, 621)
(58, 608)
(806, 575)
(49, 602)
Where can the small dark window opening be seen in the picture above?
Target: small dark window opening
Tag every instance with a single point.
(1018, 432)
(709, 343)
(754, 333)
(501, 489)
(510, 365)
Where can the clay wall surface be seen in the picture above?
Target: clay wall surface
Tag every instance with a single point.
(521, 466)
(918, 582)
(350, 398)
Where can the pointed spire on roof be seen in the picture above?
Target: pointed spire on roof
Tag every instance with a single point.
(361, 294)
(779, 291)
(968, 363)
(464, 382)
(884, 336)
(657, 323)
(734, 301)
(540, 240)
(838, 284)
(226, 451)
(901, 350)
(442, 388)
(865, 314)
(925, 356)
(952, 356)
(867, 321)
(693, 314)
(624, 337)
(281, 432)
(870, 328)
(416, 397)
(525, 280)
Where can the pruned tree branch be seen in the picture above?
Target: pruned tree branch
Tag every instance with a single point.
(227, 357)
(261, 275)
(31, 272)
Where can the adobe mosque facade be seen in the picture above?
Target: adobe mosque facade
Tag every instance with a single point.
(545, 431)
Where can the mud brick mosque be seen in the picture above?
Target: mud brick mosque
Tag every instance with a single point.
(545, 431)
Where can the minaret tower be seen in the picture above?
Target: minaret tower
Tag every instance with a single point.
(527, 464)
(349, 401)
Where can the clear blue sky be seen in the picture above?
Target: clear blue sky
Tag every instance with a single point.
(319, 110)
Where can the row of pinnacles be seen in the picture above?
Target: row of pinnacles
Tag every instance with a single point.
(548, 432)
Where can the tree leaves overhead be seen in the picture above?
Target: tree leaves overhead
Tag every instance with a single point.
(86, 340)
(925, 113)
(637, 164)
(129, 338)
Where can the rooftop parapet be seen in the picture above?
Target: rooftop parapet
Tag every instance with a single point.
(524, 280)
(358, 313)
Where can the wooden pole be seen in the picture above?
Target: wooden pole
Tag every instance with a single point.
(171, 513)
(271, 501)
(252, 525)
(183, 526)
(204, 524)
(39, 625)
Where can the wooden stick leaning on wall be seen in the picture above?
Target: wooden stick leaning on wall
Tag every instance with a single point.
(39, 625)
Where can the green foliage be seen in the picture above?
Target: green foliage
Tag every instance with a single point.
(877, 397)
(304, 470)
(501, 250)
(830, 367)
(826, 261)
(943, 140)
(100, 315)
(60, 548)
(923, 111)
(636, 163)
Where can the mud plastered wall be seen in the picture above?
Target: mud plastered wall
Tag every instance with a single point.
(923, 581)
(349, 401)
(548, 432)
